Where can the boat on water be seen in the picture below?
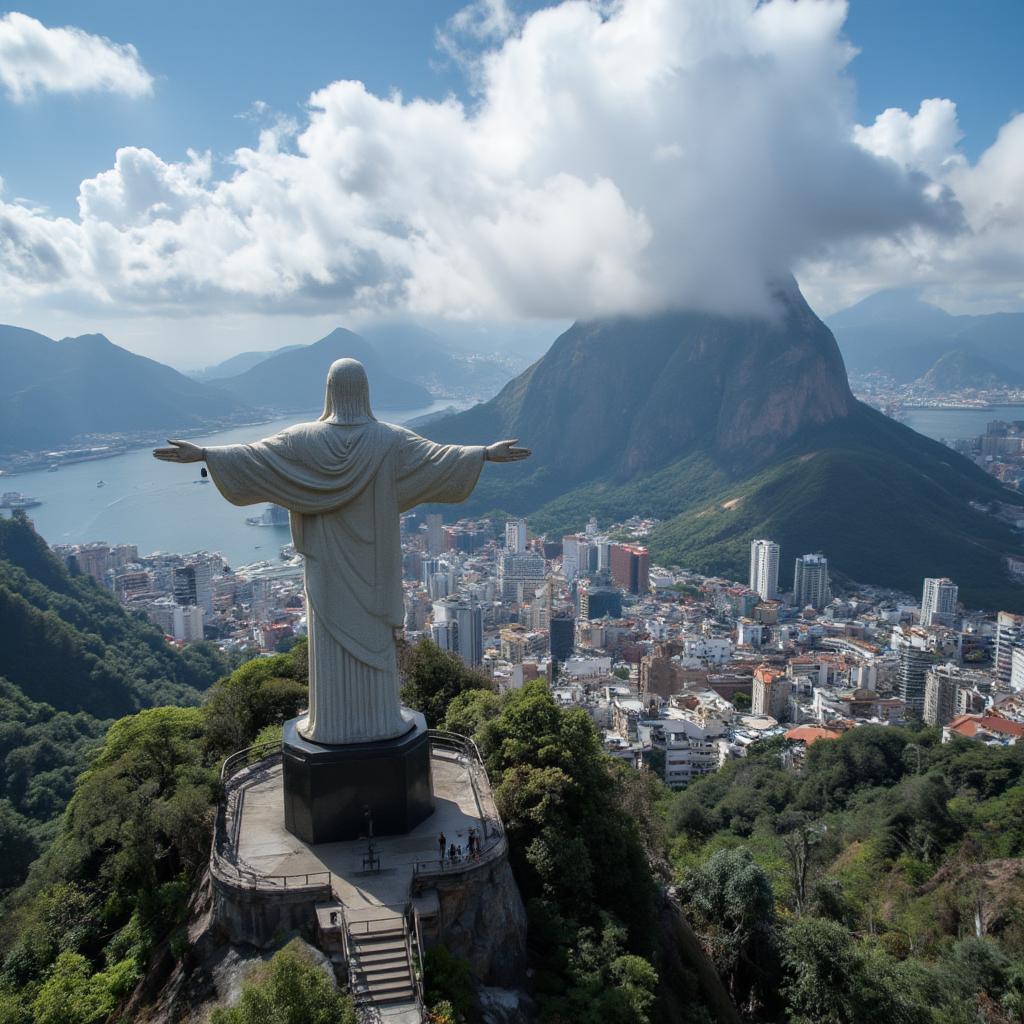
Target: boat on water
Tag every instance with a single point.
(15, 500)
(101, 483)
(53, 468)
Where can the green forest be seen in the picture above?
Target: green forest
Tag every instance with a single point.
(71, 661)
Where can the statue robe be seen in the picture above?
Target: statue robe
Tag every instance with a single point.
(345, 487)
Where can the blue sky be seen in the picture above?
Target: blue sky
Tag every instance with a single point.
(211, 61)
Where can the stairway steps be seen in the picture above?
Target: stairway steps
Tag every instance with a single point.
(380, 959)
(384, 935)
(387, 974)
(376, 992)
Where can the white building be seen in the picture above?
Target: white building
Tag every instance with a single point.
(764, 569)
(938, 602)
(691, 745)
(1009, 636)
(810, 582)
(1017, 669)
(188, 623)
(714, 650)
(515, 536)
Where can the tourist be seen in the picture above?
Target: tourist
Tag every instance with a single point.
(442, 842)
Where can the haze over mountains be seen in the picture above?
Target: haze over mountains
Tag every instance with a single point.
(728, 429)
(52, 392)
(895, 333)
(56, 394)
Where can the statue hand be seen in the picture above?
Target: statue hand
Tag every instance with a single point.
(183, 451)
(505, 451)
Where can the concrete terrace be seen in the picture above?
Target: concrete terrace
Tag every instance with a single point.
(264, 850)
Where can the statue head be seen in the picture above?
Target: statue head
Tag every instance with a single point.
(348, 393)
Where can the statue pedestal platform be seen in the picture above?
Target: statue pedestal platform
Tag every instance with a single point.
(328, 789)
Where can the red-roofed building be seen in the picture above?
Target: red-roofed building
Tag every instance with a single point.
(809, 734)
(986, 728)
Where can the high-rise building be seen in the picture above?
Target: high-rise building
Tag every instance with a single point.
(764, 569)
(520, 575)
(562, 630)
(941, 686)
(1009, 635)
(435, 538)
(810, 582)
(188, 623)
(914, 659)
(184, 584)
(445, 634)
(469, 620)
(576, 556)
(599, 598)
(938, 602)
(515, 536)
(630, 567)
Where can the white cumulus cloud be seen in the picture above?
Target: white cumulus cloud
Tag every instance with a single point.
(979, 268)
(619, 157)
(34, 58)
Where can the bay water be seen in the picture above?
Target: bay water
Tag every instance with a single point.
(160, 506)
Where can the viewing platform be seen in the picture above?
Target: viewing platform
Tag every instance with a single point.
(267, 882)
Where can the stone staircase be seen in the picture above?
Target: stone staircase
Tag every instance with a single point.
(379, 948)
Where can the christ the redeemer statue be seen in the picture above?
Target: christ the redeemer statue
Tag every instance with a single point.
(345, 479)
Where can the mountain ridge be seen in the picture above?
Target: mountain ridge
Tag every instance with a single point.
(293, 379)
(896, 333)
(53, 392)
(693, 412)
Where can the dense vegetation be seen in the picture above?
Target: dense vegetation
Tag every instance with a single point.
(71, 659)
(882, 882)
(290, 989)
(581, 840)
(115, 883)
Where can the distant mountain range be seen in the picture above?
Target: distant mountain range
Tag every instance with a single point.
(293, 379)
(962, 369)
(52, 392)
(238, 364)
(894, 332)
(729, 429)
(424, 357)
(55, 394)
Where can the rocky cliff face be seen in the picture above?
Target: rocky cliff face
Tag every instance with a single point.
(620, 397)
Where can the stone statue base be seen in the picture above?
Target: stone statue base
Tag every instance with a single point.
(328, 789)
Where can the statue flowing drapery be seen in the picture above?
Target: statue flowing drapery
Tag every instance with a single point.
(345, 484)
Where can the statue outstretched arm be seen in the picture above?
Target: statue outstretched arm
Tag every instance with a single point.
(181, 451)
(506, 451)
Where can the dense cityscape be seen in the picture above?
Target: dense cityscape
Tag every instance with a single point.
(680, 672)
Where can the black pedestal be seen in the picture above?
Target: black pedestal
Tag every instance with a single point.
(327, 789)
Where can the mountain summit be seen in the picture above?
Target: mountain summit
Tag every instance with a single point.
(732, 428)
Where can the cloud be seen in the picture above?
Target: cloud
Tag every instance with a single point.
(977, 269)
(34, 58)
(619, 157)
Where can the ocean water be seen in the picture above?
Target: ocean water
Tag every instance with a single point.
(958, 424)
(157, 505)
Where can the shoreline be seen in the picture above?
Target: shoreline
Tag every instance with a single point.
(99, 453)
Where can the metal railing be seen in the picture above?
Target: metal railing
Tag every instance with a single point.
(467, 749)
(224, 854)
